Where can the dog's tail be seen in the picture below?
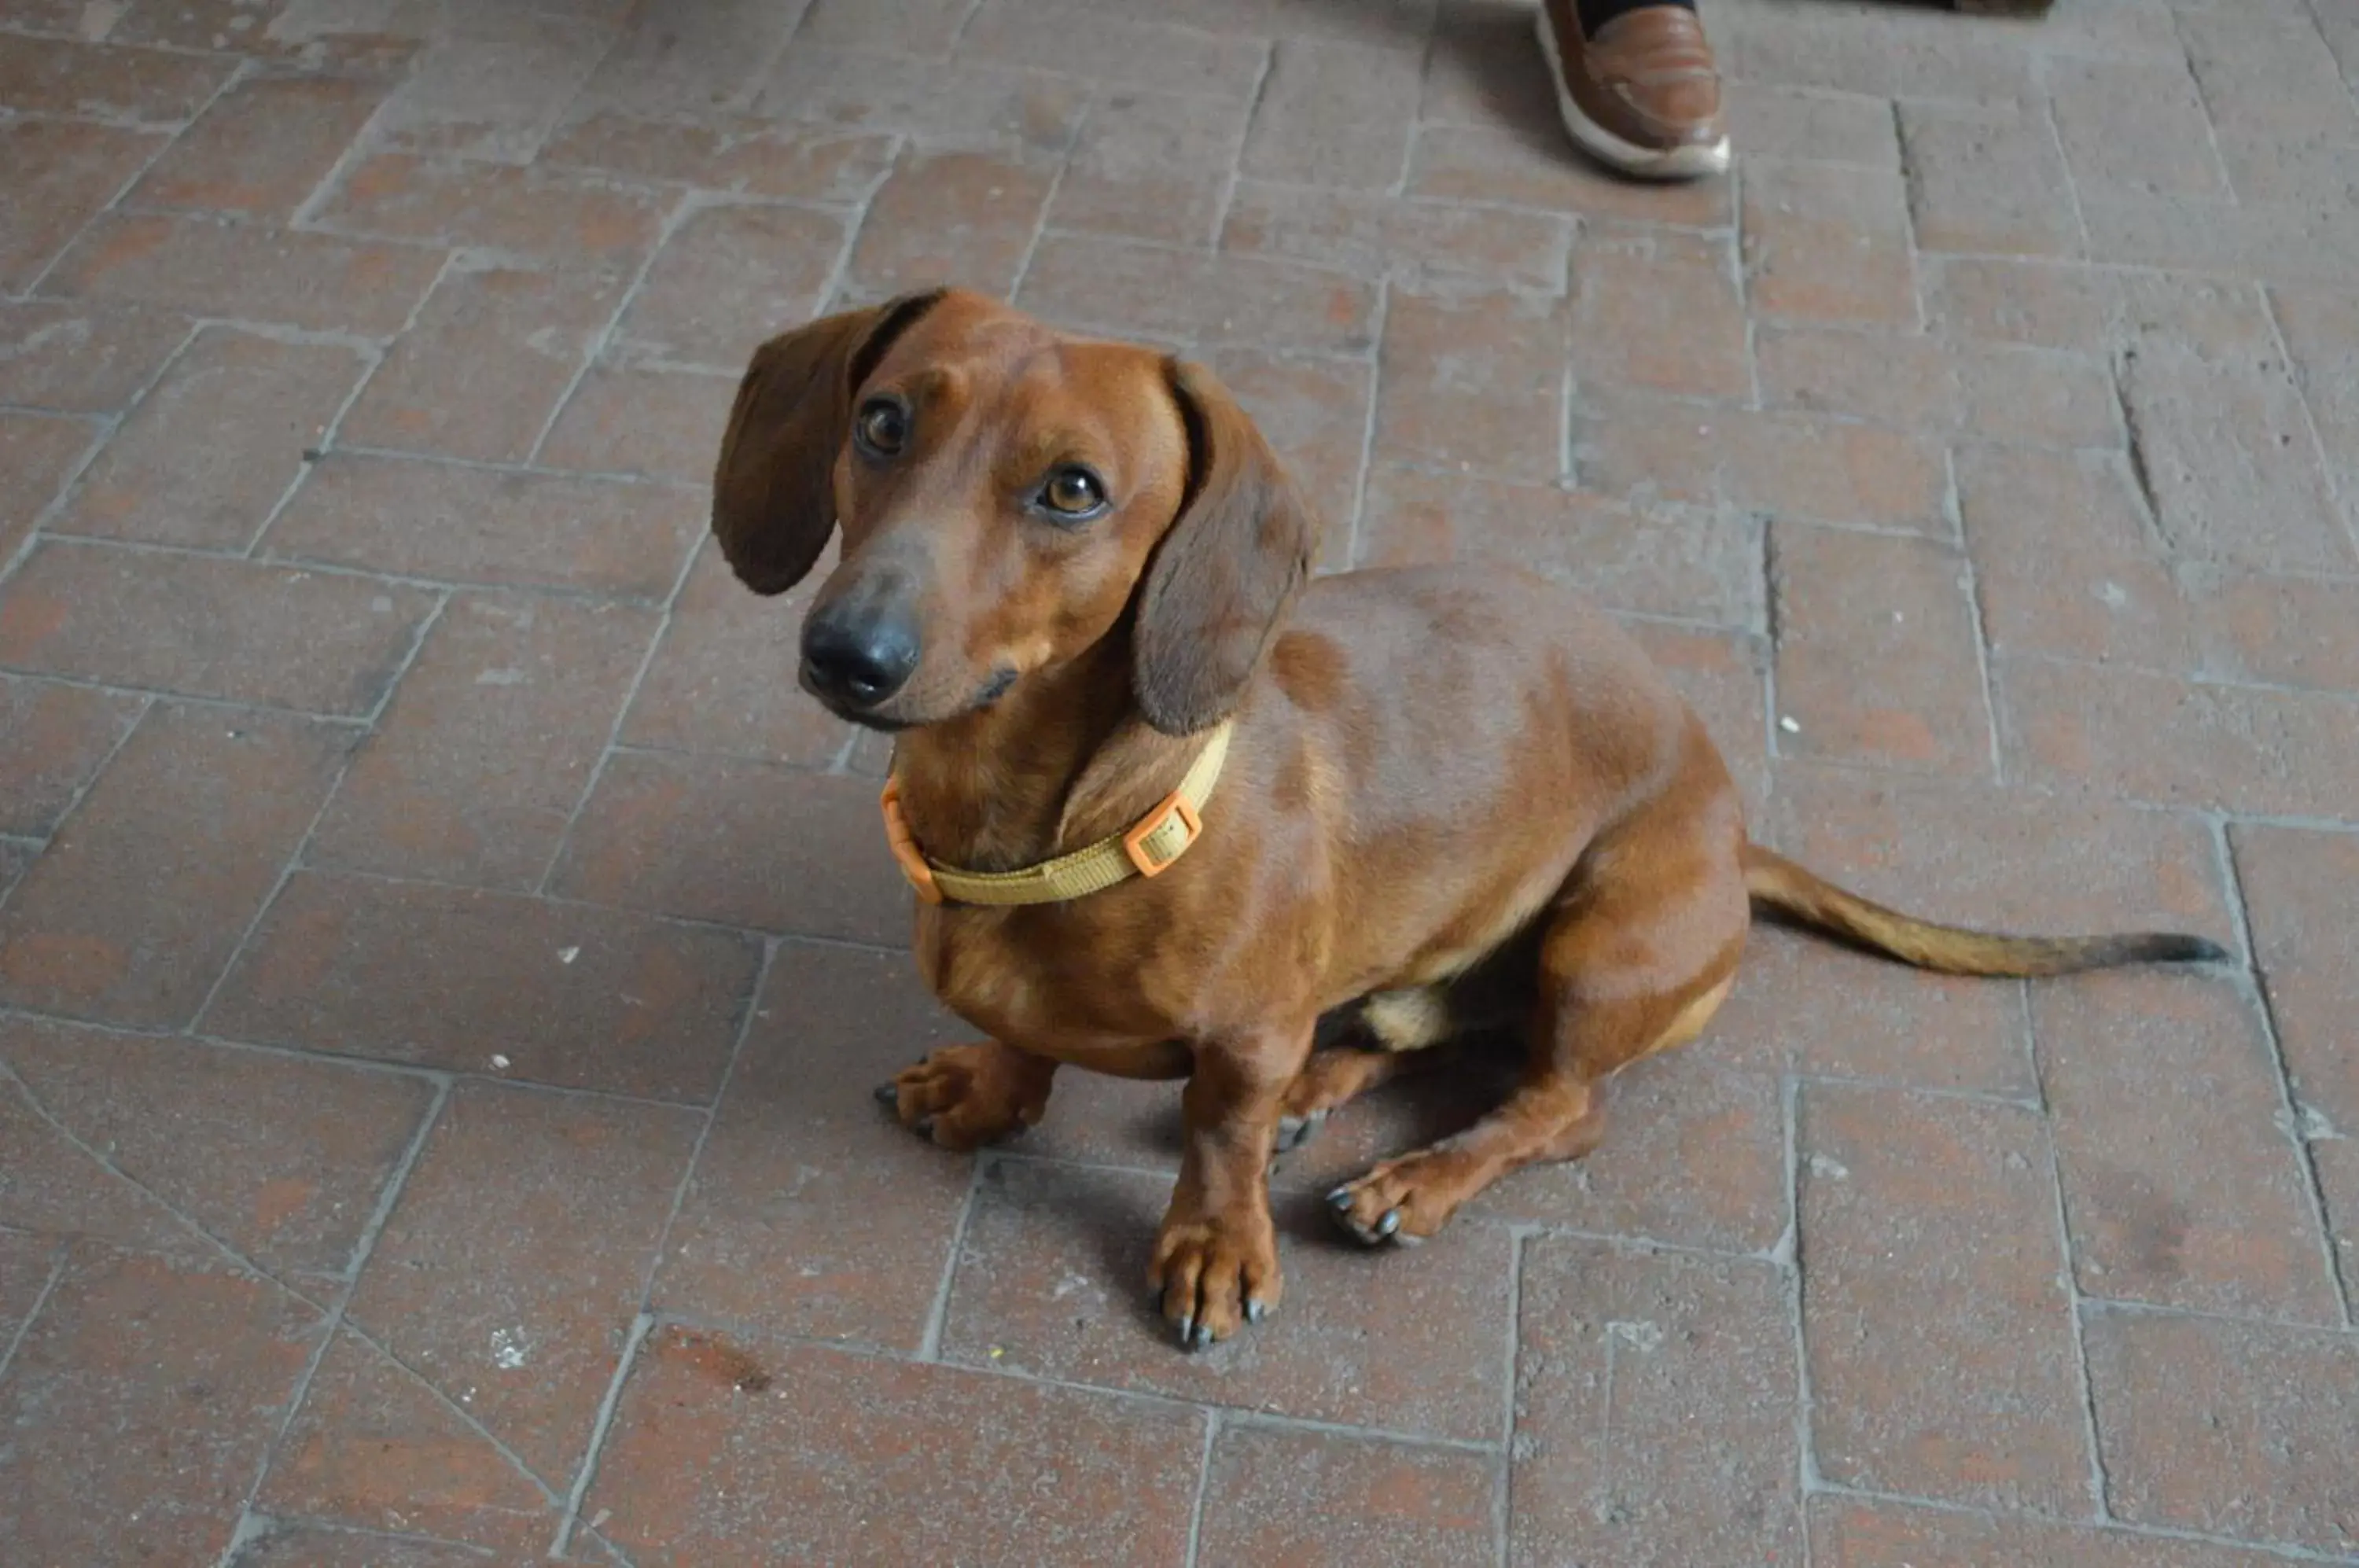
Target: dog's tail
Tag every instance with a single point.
(1774, 880)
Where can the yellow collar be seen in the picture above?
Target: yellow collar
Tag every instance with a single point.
(1160, 837)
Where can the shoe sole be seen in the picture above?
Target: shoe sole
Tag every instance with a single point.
(1693, 161)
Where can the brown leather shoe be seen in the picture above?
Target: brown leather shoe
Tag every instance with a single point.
(1643, 96)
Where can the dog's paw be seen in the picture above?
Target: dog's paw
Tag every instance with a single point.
(964, 1096)
(1213, 1277)
(1391, 1204)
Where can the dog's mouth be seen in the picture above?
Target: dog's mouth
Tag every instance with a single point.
(998, 685)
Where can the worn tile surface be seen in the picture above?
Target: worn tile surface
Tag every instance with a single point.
(445, 959)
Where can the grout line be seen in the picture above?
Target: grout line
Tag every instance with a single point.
(389, 1197)
(327, 800)
(1807, 1477)
(929, 1345)
(590, 786)
(57, 1256)
(73, 806)
(1227, 203)
(2347, 506)
(642, 1324)
(2259, 993)
(1503, 1491)
(1354, 527)
(1213, 1424)
(2282, 1550)
(1047, 204)
(376, 357)
(685, 204)
(2100, 1484)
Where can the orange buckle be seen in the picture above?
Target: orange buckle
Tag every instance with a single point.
(1134, 842)
(904, 845)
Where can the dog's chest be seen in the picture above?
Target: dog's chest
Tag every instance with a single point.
(1027, 988)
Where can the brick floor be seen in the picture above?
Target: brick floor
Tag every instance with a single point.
(443, 958)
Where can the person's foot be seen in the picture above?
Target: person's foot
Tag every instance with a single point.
(1641, 94)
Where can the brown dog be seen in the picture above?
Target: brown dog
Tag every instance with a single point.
(1169, 810)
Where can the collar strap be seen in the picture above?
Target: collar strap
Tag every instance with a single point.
(1159, 838)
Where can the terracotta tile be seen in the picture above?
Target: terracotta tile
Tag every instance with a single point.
(282, 1159)
(212, 450)
(1657, 310)
(728, 279)
(205, 626)
(1121, 53)
(2294, 882)
(83, 358)
(143, 897)
(1334, 113)
(1149, 166)
(1136, 291)
(453, 979)
(1827, 244)
(61, 174)
(495, 86)
(1805, 1004)
(52, 740)
(1977, 1404)
(2001, 859)
(485, 526)
(2244, 749)
(1052, 1281)
(27, 1264)
(1654, 1410)
(1472, 382)
(525, 1329)
(664, 424)
(129, 1345)
(723, 680)
(743, 843)
(480, 375)
(2196, 1419)
(106, 82)
(739, 155)
(936, 104)
(962, 218)
(1848, 1533)
(1688, 563)
(687, 63)
(324, 1546)
(1325, 1500)
(550, 216)
(1877, 659)
(1375, 235)
(701, 1469)
(261, 148)
(812, 1211)
(479, 759)
(1986, 182)
(39, 454)
(2239, 1238)
(208, 267)
(1804, 124)
(1533, 168)
(2135, 124)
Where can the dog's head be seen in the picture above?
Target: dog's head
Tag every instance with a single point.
(1009, 497)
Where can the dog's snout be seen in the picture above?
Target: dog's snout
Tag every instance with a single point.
(860, 658)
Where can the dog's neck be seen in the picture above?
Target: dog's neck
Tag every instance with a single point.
(1062, 759)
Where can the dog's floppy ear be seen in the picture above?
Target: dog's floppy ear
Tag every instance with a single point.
(773, 501)
(1226, 572)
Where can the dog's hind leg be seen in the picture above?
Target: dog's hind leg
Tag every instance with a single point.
(1632, 961)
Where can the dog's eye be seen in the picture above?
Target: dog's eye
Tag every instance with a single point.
(1074, 492)
(882, 427)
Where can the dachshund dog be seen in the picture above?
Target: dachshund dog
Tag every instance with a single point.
(1173, 810)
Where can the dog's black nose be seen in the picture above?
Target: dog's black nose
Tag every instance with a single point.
(860, 659)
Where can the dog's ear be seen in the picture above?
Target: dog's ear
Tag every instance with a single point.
(1226, 572)
(773, 498)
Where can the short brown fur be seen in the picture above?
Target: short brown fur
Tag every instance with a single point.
(1448, 790)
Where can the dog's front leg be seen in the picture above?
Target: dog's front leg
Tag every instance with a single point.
(964, 1096)
(1216, 1257)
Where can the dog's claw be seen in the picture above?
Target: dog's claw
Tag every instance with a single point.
(889, 1094)
(1389, 1223)
(924, 1126)
(1293, 1132)
(1187, 1327)
(1340, 1200)
(1255, 1312)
